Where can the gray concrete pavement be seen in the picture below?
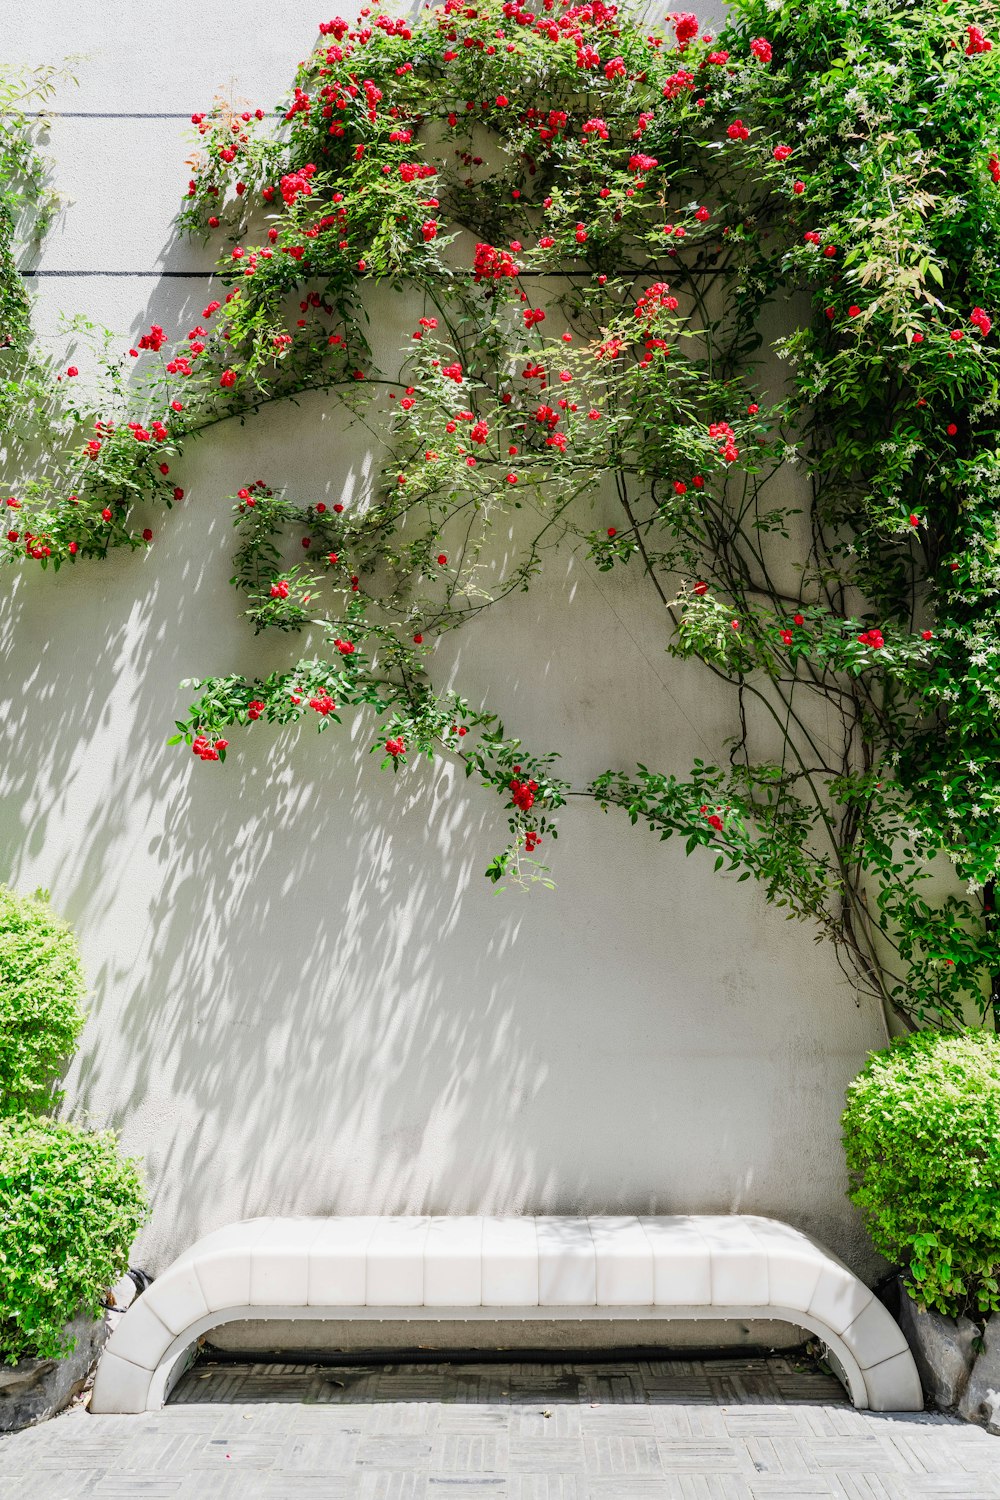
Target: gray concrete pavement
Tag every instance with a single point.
(734, 1429)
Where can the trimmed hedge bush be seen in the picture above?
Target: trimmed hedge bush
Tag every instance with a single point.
(922, 1136)
(70, 1207)
(41, 986)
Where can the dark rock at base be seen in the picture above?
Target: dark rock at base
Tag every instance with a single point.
(981, 1401)
(942, 1348)
(34, 1389)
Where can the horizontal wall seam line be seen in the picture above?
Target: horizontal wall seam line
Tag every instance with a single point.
(159, 275)
(102, 114)
(195, 275)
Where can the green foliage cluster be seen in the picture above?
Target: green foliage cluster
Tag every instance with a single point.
(70, 1207)
(922, 1135)
(41, 986)
(596, 220)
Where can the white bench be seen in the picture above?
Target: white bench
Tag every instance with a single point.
(463, 1269)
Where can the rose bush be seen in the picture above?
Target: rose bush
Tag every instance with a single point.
(594, 218)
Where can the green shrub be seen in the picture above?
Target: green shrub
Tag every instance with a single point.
(922, 1135)
(70, 1207)
(41, 985)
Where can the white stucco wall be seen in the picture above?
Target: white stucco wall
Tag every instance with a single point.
(305, 997)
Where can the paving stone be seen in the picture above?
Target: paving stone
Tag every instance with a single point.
(403, 1419)
(394, 1452)
(863, 1487)
(548, 1487)
(393, 1487)
(466, 1486)
(319, 1454)
(471, 1453)
(940, 1487)
(292, 1487)
(600, 1420)
(549, 1455)
(761, 1421)
(708, 1487)
(869, 1455)
(66, 1488)
(780, 1455)
(703, 1453)
(793, 1487)
(123, 1486)
(478, 1419)
(635, 1487)
(690, 1421)
(621, 1455)
(976, 1460)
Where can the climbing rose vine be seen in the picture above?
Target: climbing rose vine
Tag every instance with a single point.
(599, 227)
(27, 207)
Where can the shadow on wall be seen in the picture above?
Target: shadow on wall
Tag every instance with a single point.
(307, 999)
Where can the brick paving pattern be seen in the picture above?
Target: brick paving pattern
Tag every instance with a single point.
(724, 1429)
